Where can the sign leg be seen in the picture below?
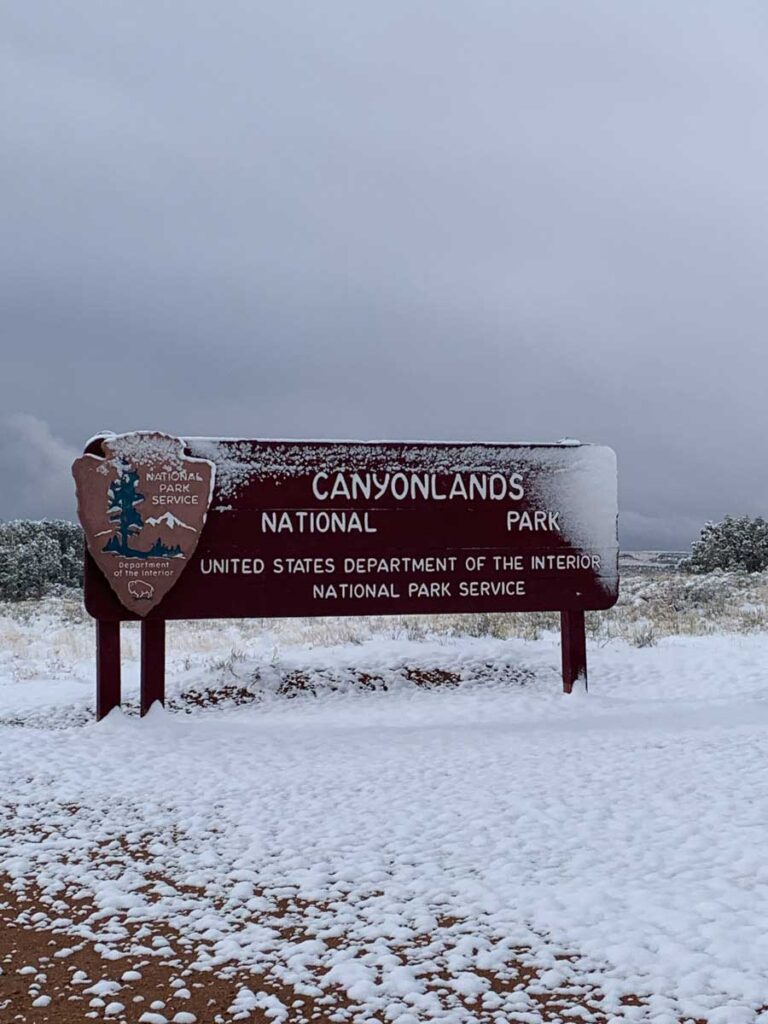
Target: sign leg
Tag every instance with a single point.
(152, 663)
(107, 667)
(573, 640)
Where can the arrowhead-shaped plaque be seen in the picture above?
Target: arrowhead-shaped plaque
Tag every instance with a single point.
(142, 508)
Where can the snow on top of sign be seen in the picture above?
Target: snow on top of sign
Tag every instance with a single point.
(140, 447)
(563, 442)
(234, 461)
(239, 461)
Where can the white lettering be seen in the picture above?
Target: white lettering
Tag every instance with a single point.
(536, 520)
(302, 521)
(320, 495)
(494, 588)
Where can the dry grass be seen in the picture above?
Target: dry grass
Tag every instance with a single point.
(53, 636)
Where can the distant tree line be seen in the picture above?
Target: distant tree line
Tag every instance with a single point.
(39, 557)
(45, 556)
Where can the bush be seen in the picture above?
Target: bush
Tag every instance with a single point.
(733, 544)
(39, 557)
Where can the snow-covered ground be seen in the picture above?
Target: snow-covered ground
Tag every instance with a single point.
(436, 807)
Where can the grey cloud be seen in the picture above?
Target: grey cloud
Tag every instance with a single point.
(491, 221)
(35, 470)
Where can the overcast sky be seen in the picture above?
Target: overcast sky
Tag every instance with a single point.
(438, 220)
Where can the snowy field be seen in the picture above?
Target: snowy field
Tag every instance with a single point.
(396, 822)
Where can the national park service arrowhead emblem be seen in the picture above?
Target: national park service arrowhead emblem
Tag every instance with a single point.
(142, 508)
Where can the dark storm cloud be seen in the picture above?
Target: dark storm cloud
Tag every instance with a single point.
(487, 220)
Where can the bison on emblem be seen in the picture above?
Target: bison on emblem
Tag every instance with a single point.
(140, 590)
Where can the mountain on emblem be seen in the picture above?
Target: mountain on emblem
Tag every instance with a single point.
(170, 521)
(125, 504)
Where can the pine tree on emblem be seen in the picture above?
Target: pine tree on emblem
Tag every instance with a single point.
(122, 500)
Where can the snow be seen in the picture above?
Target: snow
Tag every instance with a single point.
(421, 830)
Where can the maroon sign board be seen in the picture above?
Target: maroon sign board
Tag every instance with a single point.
(216, 527)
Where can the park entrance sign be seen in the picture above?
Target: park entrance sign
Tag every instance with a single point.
(215, 527)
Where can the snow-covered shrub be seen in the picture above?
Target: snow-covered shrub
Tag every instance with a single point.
(732, 544)
(39, 557)
(643, 635)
